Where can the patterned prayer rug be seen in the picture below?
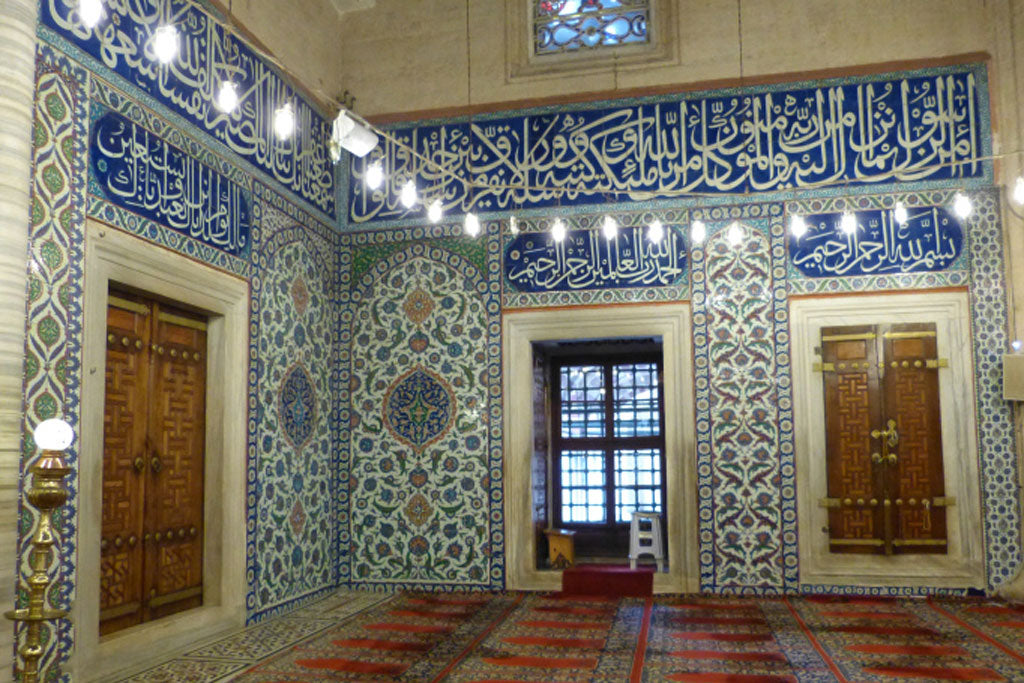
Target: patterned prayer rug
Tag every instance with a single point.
(507, 637)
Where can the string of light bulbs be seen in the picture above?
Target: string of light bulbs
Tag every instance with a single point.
(359, 137)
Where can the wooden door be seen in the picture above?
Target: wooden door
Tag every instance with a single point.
(883, 439)
(154, 429)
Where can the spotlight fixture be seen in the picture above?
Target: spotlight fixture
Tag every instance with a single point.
(1018, 190)
(165, 43)
(797, 226)
(655, 231)
(698, 232)
(349, 134)
(610, 228)
(374, 175)
(1016, 345)
(90, 11)
(558, 230)
(227, 98)
(513, 225)
(408, 195)
(735, 234)
(284, 121)
(435, 211)
(472, 224)
(848, 223)
(900, 213)
(962, 205)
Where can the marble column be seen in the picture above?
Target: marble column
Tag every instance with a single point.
(17, 66)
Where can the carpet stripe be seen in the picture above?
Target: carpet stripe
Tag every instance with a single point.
(431, 614)
(814, 641)
(721, 637)
(474, 602)
(730, 656)
(927, 650)
(353, 666)
(408, 628)
(542, 641)
(867, 615)
(713, 606)
(376, 644)
(572, 609)
(737, 621)
(937, 673)
(1009, 624)
(993, 609)
(884, 630)
(981, 634)
(476, 641)
(637, 674)
(526, 661)
(575, 625)
(731, 678)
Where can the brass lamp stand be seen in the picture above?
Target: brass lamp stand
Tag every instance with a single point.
(46, 494)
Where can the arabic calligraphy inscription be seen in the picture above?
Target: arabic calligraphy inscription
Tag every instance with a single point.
(585, 259)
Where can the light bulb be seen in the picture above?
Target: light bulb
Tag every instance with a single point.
(558, 230)
(513, 225)
(408, 196)
(227, 98)
(735, 234)
(472, 225)
(90, 11)
(900, 213)
(610, 228)
(165, 43)
(656, 231)
(374, 175)
(435, 211)
(1018, 190)
(962, 205)
(797, 226)
(284, 121)
(698, 232)
(1017, 344)
(53, 435)
(848, 223)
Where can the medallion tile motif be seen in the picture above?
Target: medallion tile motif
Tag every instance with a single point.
(419, 408)
(297, 406)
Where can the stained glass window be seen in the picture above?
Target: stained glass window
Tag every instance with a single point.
(572, 25)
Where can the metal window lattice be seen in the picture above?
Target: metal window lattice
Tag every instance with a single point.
(636, 400)
(561, 26)
(637, 482)
(582, 401)
(583, 494)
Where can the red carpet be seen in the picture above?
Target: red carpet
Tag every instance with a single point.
(608, 580)
(517, 637)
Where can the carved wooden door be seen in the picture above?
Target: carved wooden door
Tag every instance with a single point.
(154, 429)
(883, 439)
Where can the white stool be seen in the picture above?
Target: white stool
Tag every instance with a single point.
(645, 538)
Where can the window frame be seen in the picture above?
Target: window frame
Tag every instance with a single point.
(523, 64)
(609, 443)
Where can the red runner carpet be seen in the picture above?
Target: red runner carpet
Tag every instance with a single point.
(513, 637)
(611, 580)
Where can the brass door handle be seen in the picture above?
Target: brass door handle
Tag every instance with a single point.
(876, 458)
(893, 458)
(156, 465)
(139, 464)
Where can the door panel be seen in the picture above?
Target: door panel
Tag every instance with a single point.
(177, 429)
(154, 430)
(124, 444)
(883, 437)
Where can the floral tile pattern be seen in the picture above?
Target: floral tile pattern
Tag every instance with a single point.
(419, 474)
